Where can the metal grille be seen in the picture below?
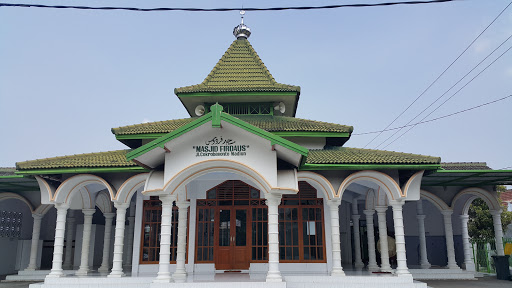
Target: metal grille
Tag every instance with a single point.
(10, 224)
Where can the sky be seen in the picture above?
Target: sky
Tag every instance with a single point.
(68, 76)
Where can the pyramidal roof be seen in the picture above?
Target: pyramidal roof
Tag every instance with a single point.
(239, 70)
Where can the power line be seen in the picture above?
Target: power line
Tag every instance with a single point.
(452, 95)
(440, 75)
(435, 119)
(438, 98)
(227, 9)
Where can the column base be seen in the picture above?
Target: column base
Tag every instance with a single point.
(30, 269)
(82, 272)
(453, 267)
(359, 265)
(386, 269)
(337, 272)
(470, 267)
(115, 275)
(103, 269)
(179, 277)
(373, 268)
(55, 274)
(162, 280)
(425, 266)
(67, 267)
(274, 277)
(403, 273)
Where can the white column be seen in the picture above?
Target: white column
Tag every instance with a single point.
(105, 263)
(273, 274)
(164, 274)
(180, 272)
(58, 246)
(401, 258)
(117, 263)
(448, 232)
(34, 247)
(86, 241)
(129, 241)
(421, 230)
(357, 237)
(468, 253)
(372, 262)
(498, 231)
(337, 269)
(70, 231)
(383, 239)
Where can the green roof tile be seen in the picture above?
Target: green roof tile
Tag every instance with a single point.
(465, 166)
(268, 123)
(100, 159)
(239, 69)
(346, 155)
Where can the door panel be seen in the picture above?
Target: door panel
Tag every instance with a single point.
(241, 252)
(224, 250)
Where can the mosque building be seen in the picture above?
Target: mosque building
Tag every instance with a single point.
(241, 193)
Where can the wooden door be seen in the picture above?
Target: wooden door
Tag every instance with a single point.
(232, 249)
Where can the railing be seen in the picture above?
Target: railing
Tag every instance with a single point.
(483, 250)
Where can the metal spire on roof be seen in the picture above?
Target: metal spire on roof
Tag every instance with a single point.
(242, 31)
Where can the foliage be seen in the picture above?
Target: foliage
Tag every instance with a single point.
(480, 225)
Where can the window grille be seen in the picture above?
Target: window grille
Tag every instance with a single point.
(246, 108)
(10, 224)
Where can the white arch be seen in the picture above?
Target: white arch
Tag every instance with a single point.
(75, 183)
(8, 195)
(490, 199)
(128, 188)
(43, 209)
(319, 182)
(185, 176)
(436, 201)
(47, 190)
(387, 184)
(103, 202)
(412, 187)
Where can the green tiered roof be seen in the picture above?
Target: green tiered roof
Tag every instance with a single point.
(345, 155)
(268, 123)
(239, 69)
(101, 159)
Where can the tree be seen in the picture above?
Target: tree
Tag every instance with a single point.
(480, 225)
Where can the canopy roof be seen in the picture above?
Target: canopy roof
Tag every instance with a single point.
(467, 174)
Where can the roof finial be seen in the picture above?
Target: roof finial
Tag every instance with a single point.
(242, 31)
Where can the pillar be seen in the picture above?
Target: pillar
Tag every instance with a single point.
(498, 231)
(34, 247)
(105, 265)
(164, 274)
(383, 236)
(181, 272)
(468, 253)
(421, 230)
(357, 237)
(58, 246)
(448, 232)
(84, 259)
(129, 241)
(70, 232)
(117, 262)
(401, 258)
(273, 274)
(337, 269)
(372, 262)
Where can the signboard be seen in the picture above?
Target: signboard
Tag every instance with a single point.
(219, 147)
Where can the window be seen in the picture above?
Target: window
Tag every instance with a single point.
(246, 108)
(10, 224)
(152, 217)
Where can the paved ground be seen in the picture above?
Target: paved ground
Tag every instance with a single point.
(484, 282)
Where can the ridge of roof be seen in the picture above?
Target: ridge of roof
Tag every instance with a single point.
(240, 69)
(348, 155)
(269, 123)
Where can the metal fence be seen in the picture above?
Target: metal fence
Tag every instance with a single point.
(483, 250)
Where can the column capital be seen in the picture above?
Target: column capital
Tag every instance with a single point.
(447, 213)
(495, 212)
(62, 206)
(396, 203)
(167, 199)
(333, 203)
(369, 212)
(464, 217)
(381, 209)
(273, 199)
(37, 216)
(88, 212)
(356, 217)
(183, 204)
(121, 205)
(109, 215)
(421, 217)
